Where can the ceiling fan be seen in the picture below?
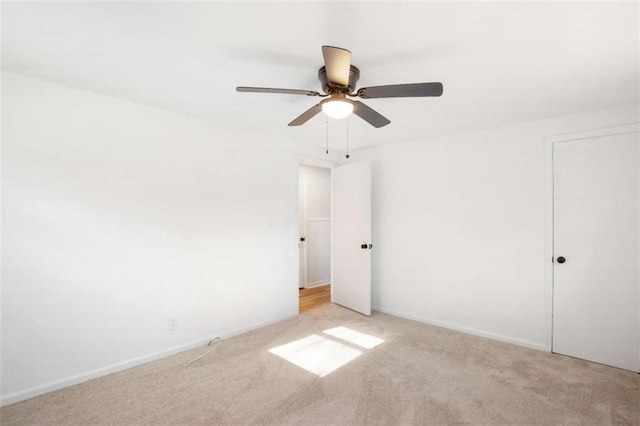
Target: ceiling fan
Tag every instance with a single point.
(338, 78)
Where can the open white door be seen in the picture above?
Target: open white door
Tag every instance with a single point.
(351, 237)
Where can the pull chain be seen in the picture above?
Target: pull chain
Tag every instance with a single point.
(347, 138)
(327, 135)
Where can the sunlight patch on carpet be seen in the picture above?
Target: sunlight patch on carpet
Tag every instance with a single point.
(316, 354)
(352, 336)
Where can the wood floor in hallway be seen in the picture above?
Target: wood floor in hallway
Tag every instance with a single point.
(311, 298)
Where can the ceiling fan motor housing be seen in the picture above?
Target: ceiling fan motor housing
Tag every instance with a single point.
(328, 87)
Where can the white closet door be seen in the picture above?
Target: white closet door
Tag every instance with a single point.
(596, 236)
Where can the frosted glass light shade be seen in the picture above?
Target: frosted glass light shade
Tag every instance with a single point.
(337, 109)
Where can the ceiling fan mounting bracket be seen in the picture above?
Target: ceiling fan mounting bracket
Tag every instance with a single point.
(354, 76)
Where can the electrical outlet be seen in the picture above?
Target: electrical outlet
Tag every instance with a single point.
(173, 323)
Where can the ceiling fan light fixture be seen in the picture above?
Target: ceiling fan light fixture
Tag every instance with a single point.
(338, 108)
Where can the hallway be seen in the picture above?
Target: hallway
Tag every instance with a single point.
(311, 298)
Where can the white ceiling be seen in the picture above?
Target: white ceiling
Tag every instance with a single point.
(500, 63)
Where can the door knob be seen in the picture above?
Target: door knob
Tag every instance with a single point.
(366, 246)
(561, 259)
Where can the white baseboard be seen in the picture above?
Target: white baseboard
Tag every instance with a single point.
(226, 335)
(317, 283)
(473, 331)
(133, 362)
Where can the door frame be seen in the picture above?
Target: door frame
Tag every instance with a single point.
(312, 162)
(549, 141)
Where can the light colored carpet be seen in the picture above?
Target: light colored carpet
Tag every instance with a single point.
(419, 375)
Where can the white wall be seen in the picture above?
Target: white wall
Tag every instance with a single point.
(117, 216)
(459, 227)
(317, 221)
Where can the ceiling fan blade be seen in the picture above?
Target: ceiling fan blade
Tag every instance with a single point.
(337, 62)
(272, 90)
(306, 116)
(369, 115)
(414, 90)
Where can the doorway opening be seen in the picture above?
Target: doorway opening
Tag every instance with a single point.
(314, 237)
